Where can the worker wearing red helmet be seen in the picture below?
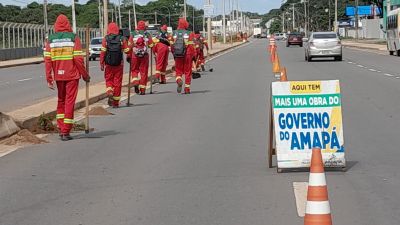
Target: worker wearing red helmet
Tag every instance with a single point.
(161, 51)
(183, 59)
(64, 64)
(139, 42)
(111, 60)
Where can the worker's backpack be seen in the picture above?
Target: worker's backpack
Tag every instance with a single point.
(140, 49)
(113, 54)
(179, 46)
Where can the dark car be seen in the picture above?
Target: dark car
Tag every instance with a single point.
(295, 39)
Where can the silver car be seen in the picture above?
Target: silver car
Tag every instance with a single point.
(95, 48)
(323, 44)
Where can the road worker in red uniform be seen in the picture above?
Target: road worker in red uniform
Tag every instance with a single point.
(161, 51)
(140, 41)
(201, 43)
(65, 65)
(183, 63)
(111, 61)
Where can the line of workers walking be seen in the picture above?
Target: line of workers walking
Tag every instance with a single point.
(64, 62)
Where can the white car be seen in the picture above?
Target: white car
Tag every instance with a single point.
(280, 36)
(323, 44)
(95, 48)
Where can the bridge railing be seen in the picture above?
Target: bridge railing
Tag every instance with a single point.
(22, 40)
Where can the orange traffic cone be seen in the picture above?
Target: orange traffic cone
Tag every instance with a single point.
(283, 75)
(318, 211)
(273, 54)
(276, 67)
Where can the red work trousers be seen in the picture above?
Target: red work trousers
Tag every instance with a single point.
(67, 92)
(162, 51)
(184, 66)
(201, 59)
(113, 76)
(140, 66)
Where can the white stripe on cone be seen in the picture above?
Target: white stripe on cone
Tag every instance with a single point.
(317, 179)
(318, 207)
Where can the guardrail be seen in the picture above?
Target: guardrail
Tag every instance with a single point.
(23, 40)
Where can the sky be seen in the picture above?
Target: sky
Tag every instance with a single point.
(259, 6)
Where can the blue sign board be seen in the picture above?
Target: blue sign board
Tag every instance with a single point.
(362, 10)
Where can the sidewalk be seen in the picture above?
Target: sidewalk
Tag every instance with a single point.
(364, 45)
(27, 117)
(20, 62)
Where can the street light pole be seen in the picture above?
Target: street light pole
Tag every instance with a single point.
(73, 17)
(223, 21)
(336, 16)
(105, 16)
(329, 15)
(293, 19)
(169, 15)
(46, 24)
(184, 9)
(356, 20)
(305, 17)
(119, 13)
(209, 28)
(134, 12)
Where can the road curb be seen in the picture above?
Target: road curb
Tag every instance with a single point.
(22, 64)
(31, 121)
(363, 47)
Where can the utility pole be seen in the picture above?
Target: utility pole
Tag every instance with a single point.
(305, 17)
(293, 19)
(329, 15)
(134, 12)
(356, 20)
(388, 9)
(46, 24)
(119, 13)
(105, 16)
(193, 21)
(223, 21)
(184, 9)
(129, 18)
(336, 16)
(155, 17)
(208, 28)
(73, 17)
(237, 16)
(101, 25)
(283, 22)
(232, 18)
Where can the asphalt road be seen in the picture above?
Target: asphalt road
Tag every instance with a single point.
(200, 158)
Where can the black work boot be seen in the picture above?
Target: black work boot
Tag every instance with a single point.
(137, 89)
(203, 68)
(66, 137)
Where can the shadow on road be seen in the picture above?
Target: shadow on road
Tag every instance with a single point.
(200, 92)
(96, 135)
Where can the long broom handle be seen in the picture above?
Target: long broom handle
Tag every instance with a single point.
(129, 83)
(151, 71)
(87, 83)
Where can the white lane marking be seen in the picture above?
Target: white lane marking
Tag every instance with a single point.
(378, 71)
(397, 77)
(389, 75)
(372, 70)
(360, 66)
(350, 62)
(22, 80)
(300, 194)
